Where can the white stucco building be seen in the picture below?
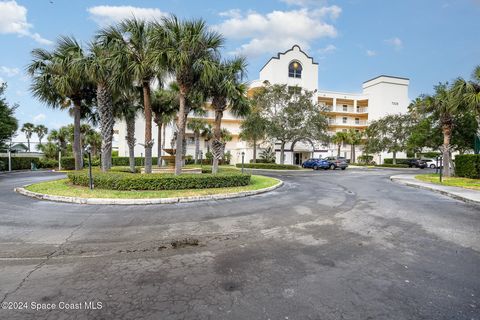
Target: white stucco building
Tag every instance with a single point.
(380, 96)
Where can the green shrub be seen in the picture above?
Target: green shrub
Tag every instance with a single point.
(124, 169)
(20, 163)
(468, 166)
(263, 161)
(114, 153)
(389, 165)
(274, 166)
(47, 163)
(399, 161)
(68, 163)
(124, 161)
(129, 181)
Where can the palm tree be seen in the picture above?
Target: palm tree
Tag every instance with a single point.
(353, 138)
(94, 140)
(187, 49)
(445, 104)
(228, 92)
(28, 129)
(61, 83)
(197, 126)
(132, 52)
(339, 138)
(164, 106)
(253, 128)
(127, 104)
(207, 134)
(41, 132)
(60, 137)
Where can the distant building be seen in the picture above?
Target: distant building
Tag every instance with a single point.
(380, 96)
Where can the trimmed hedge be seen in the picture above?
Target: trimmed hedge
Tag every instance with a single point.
(261, 161)
(129, 181)
(124, 161)
(468, 166)
(274, 166)
(399, 160)
(389, 165)
(20, 163)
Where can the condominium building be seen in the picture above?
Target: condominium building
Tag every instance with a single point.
(380, 96)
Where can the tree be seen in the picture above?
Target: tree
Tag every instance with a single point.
(41, 132)
(197, 126)
(94, 140)
(290, 114)
(392, 133)
(268, 155)
(253, 128)
(353, 138)
(164, 106)
(60, 137)
(61, 83)
(445, 105)
(424, 134)
(339, 138)
(207, 134)
(133, 52)
(28, 129)
(8, 122)
(188, 50)
(228, 92)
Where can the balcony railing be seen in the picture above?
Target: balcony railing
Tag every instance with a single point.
(348, 122)
(346, 110)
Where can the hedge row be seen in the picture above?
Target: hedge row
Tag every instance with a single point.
(468, 166)
(389, 165)
(262, 161)
(128, 181)
(399, 161)
(25, 163)
(269, 166)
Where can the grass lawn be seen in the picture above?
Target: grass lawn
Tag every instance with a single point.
(64, 188)
(450, 181)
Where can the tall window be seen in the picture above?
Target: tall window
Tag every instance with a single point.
(344, 119)
(295, 70)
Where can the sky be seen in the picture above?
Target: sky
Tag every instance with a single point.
(427, 41)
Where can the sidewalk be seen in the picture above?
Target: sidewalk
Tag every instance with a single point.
(466, 195)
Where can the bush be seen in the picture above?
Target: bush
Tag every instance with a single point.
(129, 181)
(115, 154)
(274, 166)
(468, 166)
(124, 161)
(399, 161)
(262, 161)
(47, 163)
(124, 169)
(20, 163)
(389, 165)
(68, 163)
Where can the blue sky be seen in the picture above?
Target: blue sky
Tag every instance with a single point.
(353, 40)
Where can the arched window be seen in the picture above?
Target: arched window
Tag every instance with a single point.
(295, 70)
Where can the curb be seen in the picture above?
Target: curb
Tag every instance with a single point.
(109, 201)
(443, 192)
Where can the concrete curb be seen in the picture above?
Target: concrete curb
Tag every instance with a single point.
(108, 201)
(434, 188)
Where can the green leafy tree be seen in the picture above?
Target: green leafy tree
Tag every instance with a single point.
(339, 138)
(60, 137)
(60, 82)
(28, 129)
(188, 50)
(8, 122)
(253, 129)
(41, 132)
(354, 138)
(207, 134)
(197, 126)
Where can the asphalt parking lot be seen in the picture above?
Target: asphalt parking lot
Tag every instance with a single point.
(327, 245)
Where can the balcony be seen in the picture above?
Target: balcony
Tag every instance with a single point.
(348, 123)
(341, 109)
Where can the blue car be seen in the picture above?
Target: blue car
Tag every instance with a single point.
(316, 164)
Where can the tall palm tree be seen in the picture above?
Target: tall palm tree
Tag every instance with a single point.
(445, 104)
(94, 140)
(41, 132)
(188, 50)
(28, 129)
(60, 82)
(228, 92)
(131, 40)
(207, 134)
(164, 106)
(60, 137)
(339, 138)
(197, 126)
(353, 138)
(253, 128)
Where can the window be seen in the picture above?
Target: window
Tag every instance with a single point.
(294, 90)
(344, 130)
(295, 70)
(345, 108)
(357, 120)
(344, 120)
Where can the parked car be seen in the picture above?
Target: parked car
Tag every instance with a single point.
(337, 162)
(431, 163)
(417, 163)
(316, 164)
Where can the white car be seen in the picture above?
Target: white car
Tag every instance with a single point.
(431, 163)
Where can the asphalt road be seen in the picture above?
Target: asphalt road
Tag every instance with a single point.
(327, 245)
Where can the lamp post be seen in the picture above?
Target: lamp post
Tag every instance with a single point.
(441, 167)
(243, 160)
(88, 150)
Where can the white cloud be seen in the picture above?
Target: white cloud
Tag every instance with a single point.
(105, 15)
(304, 3)
(371, 53)
(396, 43)
(9, 72)
(13, 20)
(39, 117)
(278, 30)
(328, 49)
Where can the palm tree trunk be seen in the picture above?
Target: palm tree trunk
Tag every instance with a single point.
(447, 134)
(131, 142)
(159, 143)
(107, 120)
(217, 144)
(28, 144)
(254, 150)
(181, 132)
(197, 146)
(77, 149)
(164, 128)
(282, 153)
(352, 151)
(338, 149)
(148, 126)
(394, 160)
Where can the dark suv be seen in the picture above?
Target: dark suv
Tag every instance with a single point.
(417, 163)
(337, 162)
